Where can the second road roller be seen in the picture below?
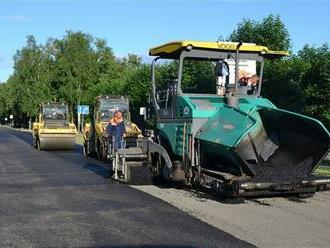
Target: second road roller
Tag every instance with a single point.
(53, 130)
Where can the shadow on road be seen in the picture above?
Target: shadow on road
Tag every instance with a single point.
(97, 168)
(76, 156)
(22, 135)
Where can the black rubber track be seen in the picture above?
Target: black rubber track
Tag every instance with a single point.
(61, 199)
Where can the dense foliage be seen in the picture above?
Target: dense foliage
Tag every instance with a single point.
(78, 67)
(74, 69)
(270, 32)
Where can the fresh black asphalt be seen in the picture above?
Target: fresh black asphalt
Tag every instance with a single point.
(61, 199)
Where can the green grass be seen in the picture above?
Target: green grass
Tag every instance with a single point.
(323, 171)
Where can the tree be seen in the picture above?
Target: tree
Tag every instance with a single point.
(198, 77)
(76, 67)
(316, 81)
(132, 60)
(137, 85)
(282, 84)
(108, 74)
(270, 32)
(4, 101)
(29, 81)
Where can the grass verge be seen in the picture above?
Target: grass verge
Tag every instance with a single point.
(322, 171)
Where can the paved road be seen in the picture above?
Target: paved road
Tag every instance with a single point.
(60, 199)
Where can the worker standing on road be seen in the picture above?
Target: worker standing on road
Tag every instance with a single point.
(116, 130)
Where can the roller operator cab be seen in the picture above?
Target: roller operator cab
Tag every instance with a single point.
(221, 134)
(127, 162)
(94, 133)
(53, 130)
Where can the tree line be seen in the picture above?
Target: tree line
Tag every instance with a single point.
(74, 69)
(78, 67)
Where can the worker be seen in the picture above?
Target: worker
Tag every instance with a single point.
(116, 129)
(248, 85)
(222, 73)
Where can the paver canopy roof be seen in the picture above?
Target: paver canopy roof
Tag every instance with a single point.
(172, 49)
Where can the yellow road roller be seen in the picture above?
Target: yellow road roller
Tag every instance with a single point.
(95, 140)
(53, 130)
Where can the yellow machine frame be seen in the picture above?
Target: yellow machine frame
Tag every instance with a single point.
(53, 137)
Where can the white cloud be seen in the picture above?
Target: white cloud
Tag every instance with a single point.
(16, 18)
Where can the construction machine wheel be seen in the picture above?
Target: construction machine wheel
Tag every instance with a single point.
(101, 153)
(163, 174)
(110, 173)
(85, 150)
(34, 143)
(157, 163)
(178, 173)
(38, 145)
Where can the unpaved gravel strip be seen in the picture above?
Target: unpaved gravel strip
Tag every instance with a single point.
(266, 222)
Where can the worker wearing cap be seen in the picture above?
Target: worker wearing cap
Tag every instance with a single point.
(116, 130)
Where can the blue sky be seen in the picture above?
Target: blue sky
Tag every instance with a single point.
(134, 26)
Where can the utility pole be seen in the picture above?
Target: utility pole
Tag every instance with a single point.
(78, 110)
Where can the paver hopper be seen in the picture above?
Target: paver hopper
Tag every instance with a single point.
(266, 150)
(53, 130)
